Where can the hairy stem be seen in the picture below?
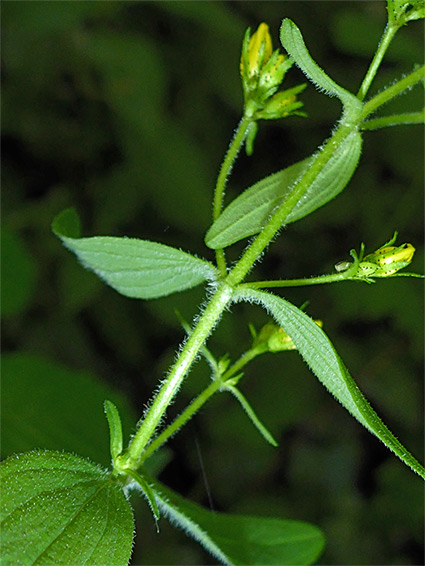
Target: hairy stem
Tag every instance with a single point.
(254, 251)
(199, 401)
(392, 91)
(226, 167)
(386, 39)
(320, 280)
(223, 295)
(172, 382)
(395, 120)
(187, 414)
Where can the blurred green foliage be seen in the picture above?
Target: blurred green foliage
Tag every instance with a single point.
(111, 107)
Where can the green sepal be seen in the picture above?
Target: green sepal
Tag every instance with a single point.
(402, 11)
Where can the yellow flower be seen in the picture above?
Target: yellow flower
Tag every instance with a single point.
(259, 51)
(383, 262)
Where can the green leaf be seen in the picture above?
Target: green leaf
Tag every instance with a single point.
(135, 268)
(147, 491)
(333, 178)
(249, 212)
(238, 539)
(57, 508)
(48, 405)
(19, 271)
(320, 355)
(292, 41)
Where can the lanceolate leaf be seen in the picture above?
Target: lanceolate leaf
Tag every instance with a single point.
(292, 41)
(57, 508)
(135, 268)
(249, 212)
(247, 540)
(320, 355)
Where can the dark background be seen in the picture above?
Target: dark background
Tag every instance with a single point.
(124, 110)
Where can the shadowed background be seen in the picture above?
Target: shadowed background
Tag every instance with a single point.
(124, 110)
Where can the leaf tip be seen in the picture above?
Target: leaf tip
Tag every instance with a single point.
(67, 224)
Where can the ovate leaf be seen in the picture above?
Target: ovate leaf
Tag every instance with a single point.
(320, 355)
(239, 539)
(57, 508)
(249, 212)
(135, 268)
(292, 41)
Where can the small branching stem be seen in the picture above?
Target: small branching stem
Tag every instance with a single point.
(225, 169)
(386, 39)
(174, 379)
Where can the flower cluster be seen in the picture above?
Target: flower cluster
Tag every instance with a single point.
(262, 72)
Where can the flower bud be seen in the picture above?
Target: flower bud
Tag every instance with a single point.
(262, 71)
(274, 339)
(259, 51)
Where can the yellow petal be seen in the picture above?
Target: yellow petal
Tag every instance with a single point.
(262, 35)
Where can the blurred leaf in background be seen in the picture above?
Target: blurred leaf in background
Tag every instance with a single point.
(124, 110)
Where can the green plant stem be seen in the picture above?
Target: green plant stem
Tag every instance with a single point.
(221, 298)
(254, 251)
(240, 363)
(198, 402)
(182, 419)
(392, 91)
(395, 120)
(225, 169)
(172, 382)
(320, 280)
(386, 39)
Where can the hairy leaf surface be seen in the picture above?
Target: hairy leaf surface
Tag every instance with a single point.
(249, 212)
(240, 539)
(135, 268)
(320, 355)
(293, 42)
(57, 508)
